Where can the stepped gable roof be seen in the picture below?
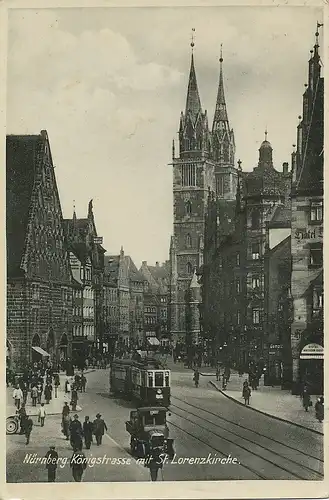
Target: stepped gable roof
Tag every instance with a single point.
(264, 180)
(134, 274)
(111, 266)
(21, 165)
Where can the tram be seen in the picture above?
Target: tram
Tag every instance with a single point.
(145, 381)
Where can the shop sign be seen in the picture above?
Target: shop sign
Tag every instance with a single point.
(309, 234)
(312, 351)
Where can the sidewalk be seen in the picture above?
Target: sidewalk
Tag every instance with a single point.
(273, 401)
(54, 407)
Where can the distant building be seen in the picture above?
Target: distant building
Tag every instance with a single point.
(307, 338)
(39, 292)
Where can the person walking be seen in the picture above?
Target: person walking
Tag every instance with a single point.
(66, 420)
(40, 391)
(67, 386)
(99, 429)
(218, 373)
(246, 393)
(56, 383)
(88, 432)
(22, 418)
(154, 462)
(47, 392)
(18, 396)
(74, 398)
(83, 383)
(34, 395)
(42, 414)
(24, 391)
(196, 377)
(76, 433)
(28, 429)
(78, 464)
(51, 463)
(306, 398)
(319, 409)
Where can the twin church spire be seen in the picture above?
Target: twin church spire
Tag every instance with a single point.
(194, 133)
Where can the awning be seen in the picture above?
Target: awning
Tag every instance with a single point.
(40, 351)
(312, 351)
(153, 341)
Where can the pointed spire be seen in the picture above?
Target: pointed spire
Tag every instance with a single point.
(193, 103)
(220, 111)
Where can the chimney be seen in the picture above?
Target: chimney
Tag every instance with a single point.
(285, 168)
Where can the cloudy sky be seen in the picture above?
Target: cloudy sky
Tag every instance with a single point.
(109, 85)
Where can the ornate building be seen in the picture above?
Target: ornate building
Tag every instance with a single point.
(307, 234)
(39, 293)
(205, 161)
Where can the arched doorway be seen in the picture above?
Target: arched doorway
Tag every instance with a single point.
(35, 343)
(51, 345)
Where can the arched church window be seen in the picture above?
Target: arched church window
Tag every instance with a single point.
(188, 207)
(188, 241)
(189, 268)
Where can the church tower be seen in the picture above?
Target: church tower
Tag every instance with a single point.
(193, 174)
(223, 145)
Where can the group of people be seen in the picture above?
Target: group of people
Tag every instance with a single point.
(225, 376)
(307, 403)
(77, 432)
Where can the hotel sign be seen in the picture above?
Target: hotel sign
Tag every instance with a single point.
(312, 351)
(309, 234)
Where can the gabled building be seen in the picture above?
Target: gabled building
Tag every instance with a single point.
(307, 338)
(86, 260)
(39, 293)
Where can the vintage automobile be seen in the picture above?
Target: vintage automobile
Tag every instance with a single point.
(12, 424)
(148, 429)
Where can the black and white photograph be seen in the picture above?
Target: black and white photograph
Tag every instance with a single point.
(164, 246)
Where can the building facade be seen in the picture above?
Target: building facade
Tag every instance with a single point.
(307, 234)
(39, 287)
(205, 161)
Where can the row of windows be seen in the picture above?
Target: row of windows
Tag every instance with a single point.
(150, 321)
(85, 274)
(88, 293)
(188, 174)
(256, 316)
(150, 309)
(88, 312)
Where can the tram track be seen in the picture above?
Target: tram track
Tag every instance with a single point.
(279, 459)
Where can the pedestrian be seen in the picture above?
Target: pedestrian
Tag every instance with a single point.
(88, 432)
(22, 418)
(74, 398)
(246, 393)
(306, 398)
(48, 390)
(224, 382)
(34, 395)
(51, 463)
(56, 383)
(66, 421)
(99, 429)
(24, 391)
(196, 377)
(18, 396)
(40, 390)
(227, 373)
(83, 383)
(78, 464)
(154, 462)
(76, 433)
(67, 386)
(218, 373)
(319, 409)
(42, 414)
(28, 429)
